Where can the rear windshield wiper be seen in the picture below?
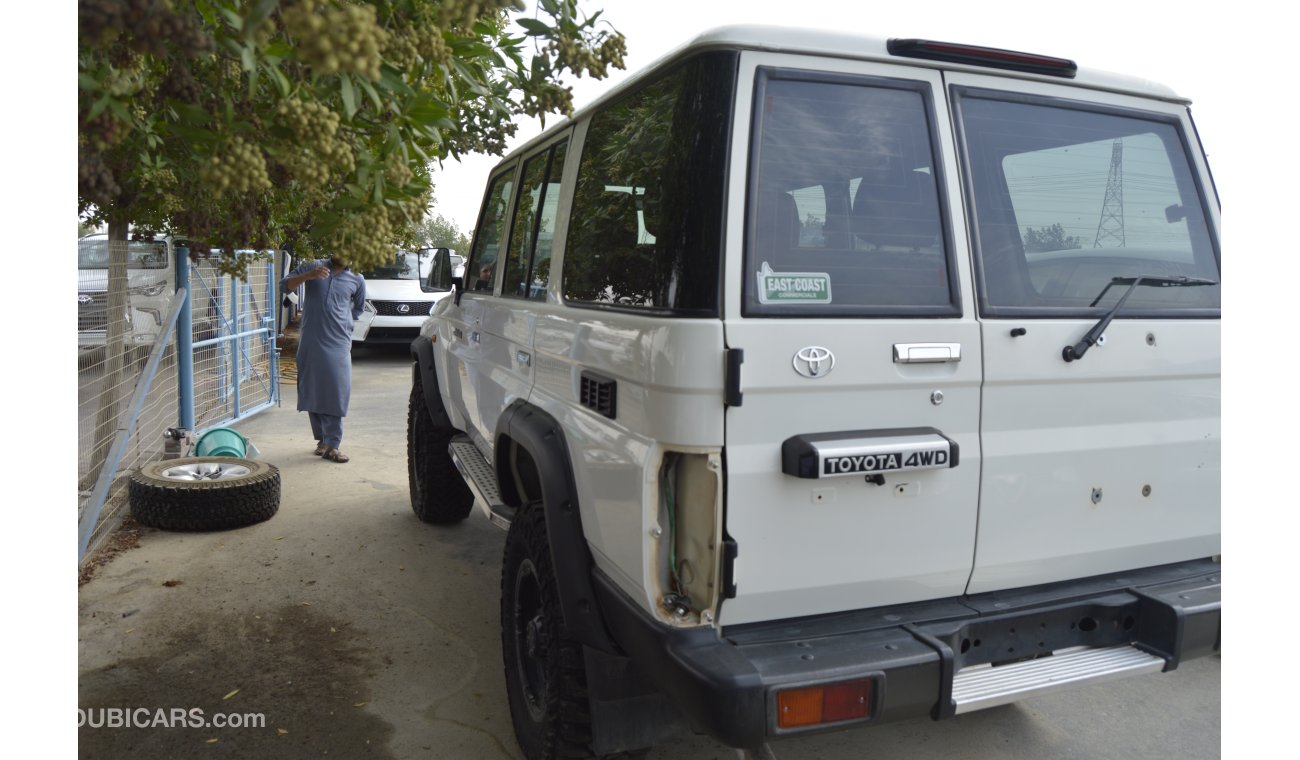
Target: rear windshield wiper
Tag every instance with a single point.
(1070, 353)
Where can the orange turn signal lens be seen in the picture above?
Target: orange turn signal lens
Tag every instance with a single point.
(832, 703)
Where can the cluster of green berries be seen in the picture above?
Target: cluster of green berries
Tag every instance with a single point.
(411, 43)
(332, 40)
(397, 170)
(466, 12)
(363, 238)
(239, 168)
(314, 125)
(593, 60)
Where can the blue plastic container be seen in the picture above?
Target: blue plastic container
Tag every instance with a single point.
(221, 442)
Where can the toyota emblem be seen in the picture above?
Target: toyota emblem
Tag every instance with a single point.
(814, 361)
(84, 299)
(403, 308)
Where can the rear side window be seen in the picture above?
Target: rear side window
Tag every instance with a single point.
(1068, 197)
(646, 227)
(844, 215)
(480, 272)
(529, 263)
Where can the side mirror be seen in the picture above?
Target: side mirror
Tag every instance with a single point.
(440, 275)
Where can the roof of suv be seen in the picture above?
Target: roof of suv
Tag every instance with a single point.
(853, 46)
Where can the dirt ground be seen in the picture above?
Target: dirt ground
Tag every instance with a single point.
(357, 631)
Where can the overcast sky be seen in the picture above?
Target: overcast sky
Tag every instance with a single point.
(1161, 41)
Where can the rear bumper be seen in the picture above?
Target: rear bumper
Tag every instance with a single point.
(726, 685)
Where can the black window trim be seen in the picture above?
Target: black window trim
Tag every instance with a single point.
(958, 93)
(764, 74)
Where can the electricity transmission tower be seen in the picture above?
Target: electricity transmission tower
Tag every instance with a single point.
(1111, 225)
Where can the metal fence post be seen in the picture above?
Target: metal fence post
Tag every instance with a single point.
(236, 319)
(184, 345)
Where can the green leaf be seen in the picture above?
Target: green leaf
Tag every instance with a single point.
(391, 80)
(98, 107)
(88, 82)
(119, 110)
(191, 113)
(233, 17)
(261, 12)
(535, 28)
(278, 49)
(281, 81)
(246, 58)
(469, 76)
(349, 95)
(372, 92)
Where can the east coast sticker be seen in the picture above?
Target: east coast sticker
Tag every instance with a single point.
(793, 287)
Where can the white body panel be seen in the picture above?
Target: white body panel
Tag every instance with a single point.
(1127, 417)
(669, 374)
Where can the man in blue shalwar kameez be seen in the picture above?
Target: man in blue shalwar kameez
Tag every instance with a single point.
(333, 299)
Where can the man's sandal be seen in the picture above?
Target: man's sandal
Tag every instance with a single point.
(334, 455)
(321, 449)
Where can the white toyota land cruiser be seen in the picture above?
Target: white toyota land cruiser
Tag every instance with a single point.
(813, 375)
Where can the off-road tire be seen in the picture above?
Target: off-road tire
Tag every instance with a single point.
(438, 492)
(164, 502)
(544, 669)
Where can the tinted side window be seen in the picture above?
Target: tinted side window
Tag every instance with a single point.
(1067, 198)
(646, 226)
(480, 272)
(528, 266)
(844, 215)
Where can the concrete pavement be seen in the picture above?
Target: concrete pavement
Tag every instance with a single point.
(358, 631)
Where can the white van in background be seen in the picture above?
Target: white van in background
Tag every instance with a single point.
(151, 281)
(399, 297)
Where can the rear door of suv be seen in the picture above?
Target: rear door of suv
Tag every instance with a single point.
(852, 452)
(1107, 461)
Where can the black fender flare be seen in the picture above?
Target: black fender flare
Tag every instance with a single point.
(425, 372)
(541, 436)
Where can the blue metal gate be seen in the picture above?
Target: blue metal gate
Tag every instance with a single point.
(235, 367)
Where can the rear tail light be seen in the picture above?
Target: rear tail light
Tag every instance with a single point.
(984, 56)
(827, 703)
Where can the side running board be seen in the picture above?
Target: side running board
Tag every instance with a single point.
(981, 686)
(481, 480)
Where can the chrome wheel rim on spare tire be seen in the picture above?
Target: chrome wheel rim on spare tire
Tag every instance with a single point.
(206, 471)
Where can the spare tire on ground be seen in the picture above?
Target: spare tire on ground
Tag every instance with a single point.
(204, 493)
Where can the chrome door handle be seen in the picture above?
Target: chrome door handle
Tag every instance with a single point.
(523, 358)
(926, 353)
(474, 337)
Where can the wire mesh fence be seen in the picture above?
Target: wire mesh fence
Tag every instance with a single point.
(129, 402)
(107, 380)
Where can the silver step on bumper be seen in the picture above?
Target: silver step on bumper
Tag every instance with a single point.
(481, 479)
(983, 686)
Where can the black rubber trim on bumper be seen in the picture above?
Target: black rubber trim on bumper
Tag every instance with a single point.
(721, 682)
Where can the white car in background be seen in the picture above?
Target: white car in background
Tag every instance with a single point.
(151, 281)
(399, 297)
